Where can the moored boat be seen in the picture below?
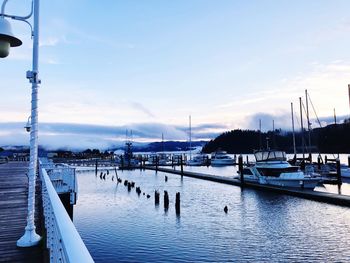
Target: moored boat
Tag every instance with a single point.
(272, 168)
(221, 158)
(198, 160)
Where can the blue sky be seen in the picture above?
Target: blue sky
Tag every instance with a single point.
(152, 63)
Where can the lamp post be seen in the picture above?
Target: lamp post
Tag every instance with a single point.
(7, 40)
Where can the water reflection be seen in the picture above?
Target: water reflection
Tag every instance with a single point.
(120, 226)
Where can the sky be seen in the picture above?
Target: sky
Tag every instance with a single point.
(146, 65)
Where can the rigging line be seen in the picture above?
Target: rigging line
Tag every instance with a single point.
(308, 125)
(318, 120)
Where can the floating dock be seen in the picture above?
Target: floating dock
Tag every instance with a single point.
(342, 200)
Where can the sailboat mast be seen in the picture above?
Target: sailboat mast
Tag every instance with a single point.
(335, 116)
(190, 135)
(294, 147)
(302, 127)
(308, 119)
(273, 134)
(260, 140)
(162, 143)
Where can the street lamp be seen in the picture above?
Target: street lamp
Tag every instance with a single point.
(28, 126)
(7, 40)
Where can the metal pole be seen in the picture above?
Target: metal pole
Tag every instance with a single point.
(190, 138)
(349, 93)
(308, 119)
(302, 128)
(294, 147)
(30, 237)
(260, 140)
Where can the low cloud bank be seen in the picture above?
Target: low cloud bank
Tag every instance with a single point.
(82, 136)
(284, 121)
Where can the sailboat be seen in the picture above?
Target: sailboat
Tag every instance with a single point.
(198, 159)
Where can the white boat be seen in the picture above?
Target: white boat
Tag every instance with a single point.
(220, 158)
(345, 171)
(272, 168)
(198, 160)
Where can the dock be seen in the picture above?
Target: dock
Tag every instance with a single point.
(336, 199)
(13, 213)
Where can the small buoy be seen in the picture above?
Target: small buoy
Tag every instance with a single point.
(148, 196)
(225, 209)
(143, 193)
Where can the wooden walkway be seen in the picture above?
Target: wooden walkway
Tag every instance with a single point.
(342, 200)
(13, 212)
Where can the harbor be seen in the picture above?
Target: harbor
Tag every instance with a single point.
(179, 131)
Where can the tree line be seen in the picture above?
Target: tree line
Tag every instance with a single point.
(333, 138)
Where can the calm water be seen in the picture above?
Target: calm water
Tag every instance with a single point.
(119, 226)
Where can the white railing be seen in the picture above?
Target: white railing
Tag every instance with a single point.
(63, 240)
(63, 178)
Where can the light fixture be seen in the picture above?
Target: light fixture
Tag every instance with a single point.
(28, 125)
(7, 39)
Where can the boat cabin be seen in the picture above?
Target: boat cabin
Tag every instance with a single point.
(269, 155)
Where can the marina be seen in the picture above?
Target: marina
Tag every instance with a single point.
(115, 172)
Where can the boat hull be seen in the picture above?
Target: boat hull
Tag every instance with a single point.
(222, 162)
(305, 183)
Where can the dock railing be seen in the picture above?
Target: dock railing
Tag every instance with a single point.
(63, 240)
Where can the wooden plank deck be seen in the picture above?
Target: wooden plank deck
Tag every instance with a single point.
(13, 212)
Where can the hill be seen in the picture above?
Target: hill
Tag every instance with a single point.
(331, 139)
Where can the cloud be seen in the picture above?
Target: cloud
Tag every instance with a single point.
(140, 107)
(282, 120)
(83, 136)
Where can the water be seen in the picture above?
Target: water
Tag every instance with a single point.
(118, 226)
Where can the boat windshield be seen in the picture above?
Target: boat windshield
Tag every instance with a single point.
(263, 156)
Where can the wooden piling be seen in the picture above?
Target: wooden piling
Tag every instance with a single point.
(247, 162)
(157, 162)
(182, 166)
(240, 169)
(177, 203)
(96, 168)
(166, 178)
(349, 160)
(319, 163)
(166, 200)
(338, 172)
(226, 209)
(156, 197)
(325, 159)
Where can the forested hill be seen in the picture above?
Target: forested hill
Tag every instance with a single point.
(333, 138)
